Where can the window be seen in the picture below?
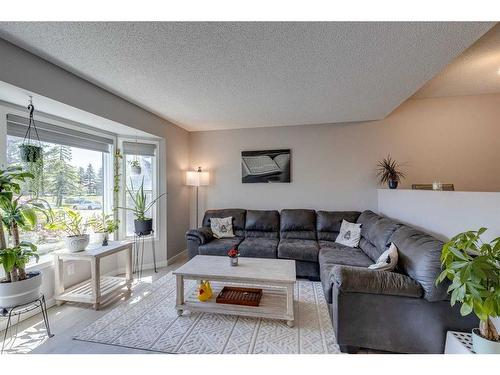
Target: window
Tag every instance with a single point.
(73, 172)
(144, 155)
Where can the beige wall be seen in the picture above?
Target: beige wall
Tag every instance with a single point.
(452, 140)
(23, 69)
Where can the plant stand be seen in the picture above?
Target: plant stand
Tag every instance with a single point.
(22, 309)
(98, 289)
(139, 242)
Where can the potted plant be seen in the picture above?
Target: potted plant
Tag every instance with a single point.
(143, 225)
(135, 167)
(18, 286)
(30, 153)
(102, 225)
(473, 267)
(72, 223)
(389, 172)
(233, 255)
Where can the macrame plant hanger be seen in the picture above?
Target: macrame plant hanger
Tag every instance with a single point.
(31, 151)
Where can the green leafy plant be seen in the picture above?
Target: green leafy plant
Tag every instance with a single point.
(14, 214)
(473, 267)
(140, 201)
(116, 172)
(68, 221)
(101, 223)
(389, 170)
(135, 163)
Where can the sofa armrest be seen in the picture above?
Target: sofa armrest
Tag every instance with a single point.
(364, 280)
(202, 235)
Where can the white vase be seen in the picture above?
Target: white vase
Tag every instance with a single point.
(75, 244)
(99, 237)
(482, 345)
(21, 292)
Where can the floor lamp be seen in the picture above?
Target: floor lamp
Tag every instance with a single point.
(197, 178)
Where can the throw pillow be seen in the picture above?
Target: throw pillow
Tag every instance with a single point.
(349, 235)
(387, 261)
(222, 227)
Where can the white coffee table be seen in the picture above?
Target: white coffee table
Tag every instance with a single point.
(276, 278)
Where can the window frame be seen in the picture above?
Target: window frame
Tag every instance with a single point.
(108, 196)
(123, 184)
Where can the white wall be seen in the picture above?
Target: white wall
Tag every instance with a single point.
(443, 213)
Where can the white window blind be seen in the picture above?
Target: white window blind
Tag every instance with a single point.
(138, 148)
(17, 126)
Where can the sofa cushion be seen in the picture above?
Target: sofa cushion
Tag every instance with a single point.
(219, 246)
(362, 280)
(292, 248)
(328, 223)
(334, 253)
(298, 224)
(237, 214)
(262, 224)
(419, 257)
(376, 230)
(258, 247)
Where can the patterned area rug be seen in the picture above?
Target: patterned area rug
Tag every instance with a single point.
(150, 322)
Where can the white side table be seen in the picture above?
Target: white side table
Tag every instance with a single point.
(458, 343)
(98, 288)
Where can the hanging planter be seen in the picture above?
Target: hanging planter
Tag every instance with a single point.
(31, 149)
(30, 153)
(135, 167)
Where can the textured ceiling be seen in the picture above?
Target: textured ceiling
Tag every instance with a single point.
(205, 76)
(475, 72)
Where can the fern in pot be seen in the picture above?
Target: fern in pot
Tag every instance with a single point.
(143, 225)
(75, 227)
(473, 268)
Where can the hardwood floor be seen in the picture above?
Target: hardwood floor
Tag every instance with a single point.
(70, 318)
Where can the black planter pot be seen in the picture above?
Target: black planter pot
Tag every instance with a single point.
(143, 227)
(30, 153)
(393, 184)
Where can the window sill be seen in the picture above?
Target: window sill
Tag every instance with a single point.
(45, 261)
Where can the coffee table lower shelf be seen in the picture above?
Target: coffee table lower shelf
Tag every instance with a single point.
(273, 304)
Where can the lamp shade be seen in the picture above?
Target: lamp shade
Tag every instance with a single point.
(197, 178)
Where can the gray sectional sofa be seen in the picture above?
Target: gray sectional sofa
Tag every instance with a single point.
(401, 311)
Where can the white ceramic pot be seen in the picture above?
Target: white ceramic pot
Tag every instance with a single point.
(75, 244)
(99, 237)
(136, 169)
(482, 345)
(21, 292)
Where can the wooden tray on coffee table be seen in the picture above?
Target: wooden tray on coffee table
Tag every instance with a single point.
(232, 295)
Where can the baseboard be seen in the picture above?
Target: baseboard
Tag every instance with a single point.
(175, 258)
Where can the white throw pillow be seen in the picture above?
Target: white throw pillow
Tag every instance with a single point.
(387, 261)
(349, 235)
(222, 227)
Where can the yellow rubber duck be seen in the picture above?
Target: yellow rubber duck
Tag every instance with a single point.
(204, 291)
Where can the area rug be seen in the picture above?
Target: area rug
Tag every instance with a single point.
(149, 321)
